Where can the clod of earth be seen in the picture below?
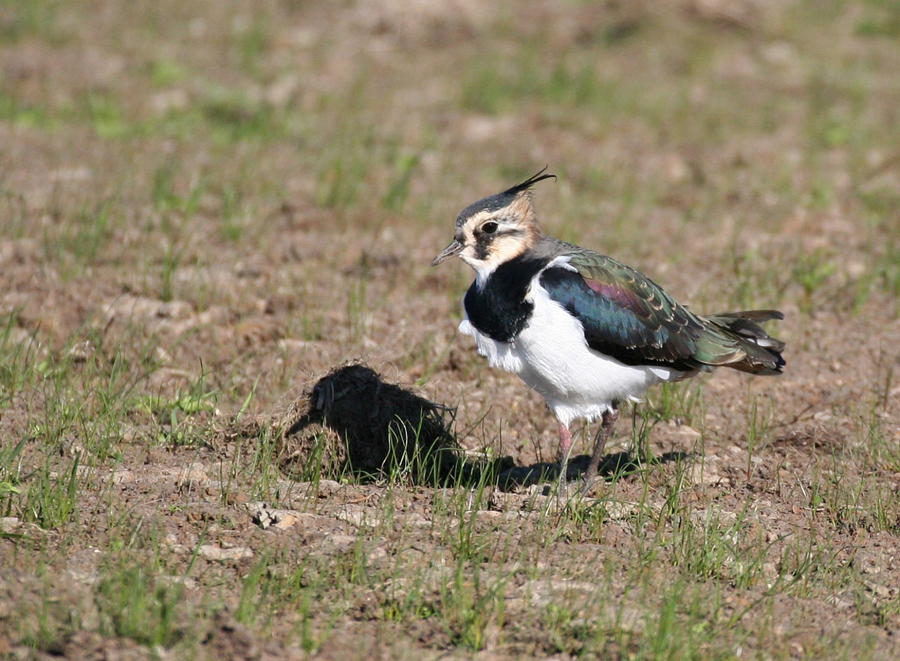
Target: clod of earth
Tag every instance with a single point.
(353, 420)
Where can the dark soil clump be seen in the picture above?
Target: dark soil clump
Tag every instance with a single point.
(353, 420)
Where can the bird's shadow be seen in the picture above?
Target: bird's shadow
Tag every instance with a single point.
(612, 466)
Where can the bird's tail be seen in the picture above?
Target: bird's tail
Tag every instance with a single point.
(736, 340)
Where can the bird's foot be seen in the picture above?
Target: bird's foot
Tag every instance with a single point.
(563, 489)
(574, 479)
(587, 483)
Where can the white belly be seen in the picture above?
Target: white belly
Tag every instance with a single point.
(553, 358)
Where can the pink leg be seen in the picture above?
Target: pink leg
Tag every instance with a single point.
(565, 443)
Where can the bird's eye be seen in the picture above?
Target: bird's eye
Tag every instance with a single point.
(489, 227)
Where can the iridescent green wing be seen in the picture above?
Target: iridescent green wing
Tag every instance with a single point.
(629, 317)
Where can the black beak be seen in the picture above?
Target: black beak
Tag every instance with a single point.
(453, 249)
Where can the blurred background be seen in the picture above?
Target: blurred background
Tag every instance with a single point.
(206, 204)
(281, 173)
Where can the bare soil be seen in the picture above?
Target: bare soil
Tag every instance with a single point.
(197, 321)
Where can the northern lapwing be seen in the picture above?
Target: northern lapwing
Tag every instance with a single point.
(584, 330)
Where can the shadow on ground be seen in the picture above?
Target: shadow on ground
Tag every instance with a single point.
(613, 465)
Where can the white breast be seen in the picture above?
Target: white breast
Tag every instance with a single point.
(552, 356)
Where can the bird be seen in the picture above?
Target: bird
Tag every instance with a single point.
(582, 329)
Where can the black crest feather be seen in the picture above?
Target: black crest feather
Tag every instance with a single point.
(500, 200)
(528, 183)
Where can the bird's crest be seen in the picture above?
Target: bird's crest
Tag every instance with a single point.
(517, 199)
(528, 183)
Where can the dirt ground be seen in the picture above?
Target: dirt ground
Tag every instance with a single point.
(207, 207)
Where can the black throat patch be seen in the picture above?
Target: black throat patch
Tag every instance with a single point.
(499, 310)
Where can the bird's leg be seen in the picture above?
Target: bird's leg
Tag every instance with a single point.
(565, 444)
(609, 420)
(565, 447)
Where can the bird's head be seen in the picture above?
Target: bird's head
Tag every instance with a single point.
(495, 229)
